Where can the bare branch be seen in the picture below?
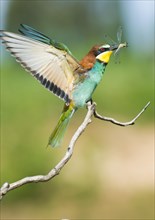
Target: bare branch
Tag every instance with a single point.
(96, 115)
(6, 187)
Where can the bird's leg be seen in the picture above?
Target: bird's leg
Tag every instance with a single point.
(90, 101)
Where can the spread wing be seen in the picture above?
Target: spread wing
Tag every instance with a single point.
(48, 61)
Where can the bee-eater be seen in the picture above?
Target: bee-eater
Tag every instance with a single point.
(56, 68)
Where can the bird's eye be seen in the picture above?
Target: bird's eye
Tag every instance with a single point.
(104, 48)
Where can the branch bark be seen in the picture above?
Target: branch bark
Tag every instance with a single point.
(6, 187)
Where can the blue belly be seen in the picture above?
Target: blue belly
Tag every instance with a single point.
(83, 93)
(84, 90)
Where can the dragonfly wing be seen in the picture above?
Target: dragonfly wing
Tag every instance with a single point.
(119, 34)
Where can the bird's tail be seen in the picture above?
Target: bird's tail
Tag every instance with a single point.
(58, 133)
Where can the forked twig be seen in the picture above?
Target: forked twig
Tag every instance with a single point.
(6, 187)
(132, 122)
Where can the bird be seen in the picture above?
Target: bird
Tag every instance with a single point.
(55, 67)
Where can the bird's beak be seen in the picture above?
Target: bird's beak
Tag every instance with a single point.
(113, 47)
(117, 47)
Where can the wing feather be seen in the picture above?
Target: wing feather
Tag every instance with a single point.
(54, 68)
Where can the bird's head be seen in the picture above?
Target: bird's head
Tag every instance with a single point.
(101, 53)
(104, 52)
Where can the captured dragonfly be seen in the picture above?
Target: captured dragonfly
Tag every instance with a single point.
(117, 44)
(119, 38)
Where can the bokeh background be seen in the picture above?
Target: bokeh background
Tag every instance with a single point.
(111, 174)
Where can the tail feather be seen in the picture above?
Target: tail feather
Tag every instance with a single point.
(57, 135)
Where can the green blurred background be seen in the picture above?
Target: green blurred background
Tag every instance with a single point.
(111, 173)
